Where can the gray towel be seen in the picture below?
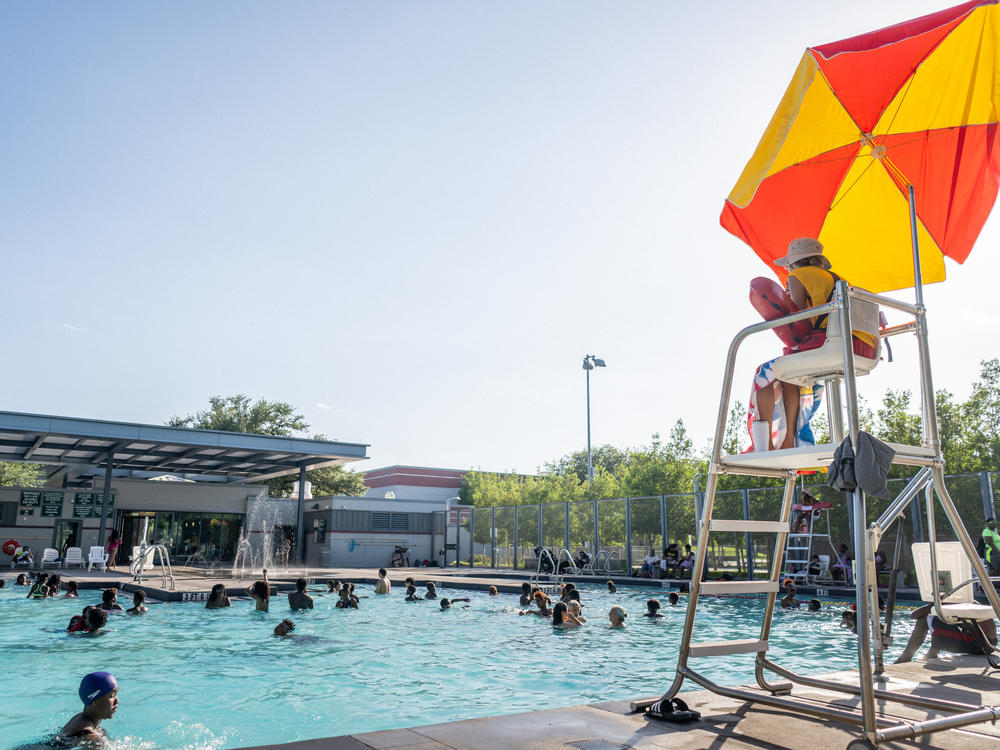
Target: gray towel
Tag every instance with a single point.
(868, 468)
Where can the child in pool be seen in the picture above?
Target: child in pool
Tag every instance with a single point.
(99, 693)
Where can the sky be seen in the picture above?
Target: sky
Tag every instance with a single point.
(410, 220)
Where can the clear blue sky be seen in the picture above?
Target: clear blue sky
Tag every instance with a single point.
(410, 220)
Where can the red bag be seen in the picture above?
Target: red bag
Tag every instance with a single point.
(771, 301)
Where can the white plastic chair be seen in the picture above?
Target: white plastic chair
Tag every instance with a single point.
(97, 557)
(50, 556)
(954, 567)
(827, 360)
(74, 556)
(824, 569)
(148, 562)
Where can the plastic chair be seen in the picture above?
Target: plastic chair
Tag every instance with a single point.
(97, 557)
(827, 360)
(74, 556)
(148, 562)
(50, 556)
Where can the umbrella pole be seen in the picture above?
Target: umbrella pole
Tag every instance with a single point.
(929, 410)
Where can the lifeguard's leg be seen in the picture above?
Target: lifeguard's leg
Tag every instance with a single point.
(790, 399)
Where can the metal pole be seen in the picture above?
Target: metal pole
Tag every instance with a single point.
(590, 468)
(918, 526)
(107, 496)
(493, 536)
(513, 558)
(597, 533)
(299, 531)
(986, 484)
(663, 520)
(628, 536)
(472, 537)
(748, 536)
(566, 507)
(541, 539)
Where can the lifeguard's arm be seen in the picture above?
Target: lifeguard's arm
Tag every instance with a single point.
(798, 293)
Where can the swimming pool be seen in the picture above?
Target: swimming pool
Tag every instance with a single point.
(199, 678)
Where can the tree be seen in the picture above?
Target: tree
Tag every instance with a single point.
(20, 475)
(239, 414)
(262, 417)
(606, 457)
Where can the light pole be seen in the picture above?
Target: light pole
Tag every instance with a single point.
(590, 361)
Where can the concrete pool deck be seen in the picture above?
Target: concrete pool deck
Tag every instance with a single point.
(725, 722)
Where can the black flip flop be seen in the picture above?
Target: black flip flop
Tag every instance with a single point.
(675, 710)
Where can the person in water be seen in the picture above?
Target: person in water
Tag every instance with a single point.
(260, 592)
(652, 609)
(563, 619)
(109, 601)
(21, 580)
(99, 693)
(72, 590)
(526, 594)
(138, 604)
(431, 592)
(218, 598)
(40, 589)
(789, 601)
(299, 599)
(447, 603)
(54, 585)
(673, 597)
(576, 609)
(78, 623)
(333, 586)
(383, 585)
(542, 601)
(94, 619)
(347, 600)
(815, 605)
(617, 617)
(411, 594)
(612, 589)
(493, 591)
(285, 627)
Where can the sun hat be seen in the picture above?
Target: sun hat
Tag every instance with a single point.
(96, 684)
(800, 249)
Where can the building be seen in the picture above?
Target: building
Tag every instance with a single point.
(414, 482)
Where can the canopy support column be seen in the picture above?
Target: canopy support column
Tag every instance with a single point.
(299, 531)
(107, 496)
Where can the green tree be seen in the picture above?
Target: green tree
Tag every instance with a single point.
(241, 414)
(14, 474)
(606, 457)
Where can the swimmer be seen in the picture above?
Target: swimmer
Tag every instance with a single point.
(431, 592)
(446, 603)
(493, 591)
(78, 623)
(3, 582)
(574, 596)
(526, 594)
(21, 580)
(72, 590)
(814, 605)
(54, 584)
(218, 598)
(97, 618)
(617, 617)
(542, 601)
(40, 589)
(673, 597)
(109, 601)
(260, 592)
(612, 589)
(347, 601)
(411, 594)
(575, 608)
(138, 604)
(408, 581)
(299, 599)
(283, 628)
(566, 591)
(383, 585)
(99, 693)
(789, 601)
(848, 620)
(562, 618)
(333, 586)
(652, 609)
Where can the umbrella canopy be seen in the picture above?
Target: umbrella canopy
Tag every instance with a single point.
(913, 104)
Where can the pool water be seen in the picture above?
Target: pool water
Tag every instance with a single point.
(196, 678)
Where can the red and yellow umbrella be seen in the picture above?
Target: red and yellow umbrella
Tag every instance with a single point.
(862, 120)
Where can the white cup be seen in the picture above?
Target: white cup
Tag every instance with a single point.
(761, 433)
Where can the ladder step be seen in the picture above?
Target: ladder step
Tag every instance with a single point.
(738, 524)
(723, 648)
(796, 548)
(739, 587)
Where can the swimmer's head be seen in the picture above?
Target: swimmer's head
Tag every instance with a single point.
(673, 597)
(97, 618)
(109, 596)
(445, 604)
(617, 615)
(431, 586)
(526, 588)
(300, 584)
(284, 627)
(493, 591)
(611, 587)
(814, 605)
(382, 573)
(411, 590)
(652, 605)
(574, 606)
(138, 597)
(72, 587)
(99, 693)
(218, 590)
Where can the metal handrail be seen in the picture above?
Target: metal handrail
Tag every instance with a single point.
(150, 551)
(569, 557)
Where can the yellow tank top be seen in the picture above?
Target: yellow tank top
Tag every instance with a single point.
(819, 283)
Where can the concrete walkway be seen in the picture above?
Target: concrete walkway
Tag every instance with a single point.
(725, 723)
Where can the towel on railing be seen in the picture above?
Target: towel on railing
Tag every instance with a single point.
(867, 468)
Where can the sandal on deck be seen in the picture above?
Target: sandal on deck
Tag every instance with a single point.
(674, 710)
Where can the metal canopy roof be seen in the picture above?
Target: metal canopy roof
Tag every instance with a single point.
(143, 450)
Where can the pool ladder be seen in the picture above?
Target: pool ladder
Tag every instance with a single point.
(147, 554)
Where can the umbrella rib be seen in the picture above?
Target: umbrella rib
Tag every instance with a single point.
(851, 186)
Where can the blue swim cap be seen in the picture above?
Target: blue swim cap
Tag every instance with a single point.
(96, 684)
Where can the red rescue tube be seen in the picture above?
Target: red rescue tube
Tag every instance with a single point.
(771, 301)
(10, 546)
